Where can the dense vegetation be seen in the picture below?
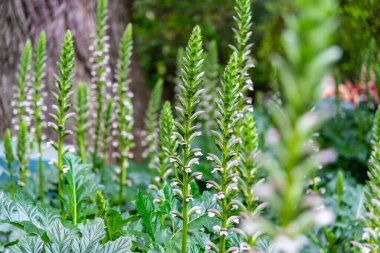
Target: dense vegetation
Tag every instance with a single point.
(220, 174)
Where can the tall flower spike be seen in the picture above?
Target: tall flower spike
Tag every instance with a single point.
(151, 120)
(106, 129)
(242, 46)
(124, 108)
(38, 104)
(100, 74)
(81, 113)
(9, 158)
(226, 117)
(248, 161)
(372, 196)
(292, 158)
(63, 105)
(247, 169)
(23, 76)
(166, 147)
(22, 154)
(187, 130)
(211, 88)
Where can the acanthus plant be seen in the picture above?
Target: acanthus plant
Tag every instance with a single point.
(151, 121)
(81, 113)
(293, 158)
(22, 104)
(211, 89)
(38, 105)
(100, 77)
(166, 148)
(187, 130)
(124, 109)
(242, 46)
(225, 165)
(370, 237)
(62, 108)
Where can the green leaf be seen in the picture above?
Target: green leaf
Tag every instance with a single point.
(150, 218)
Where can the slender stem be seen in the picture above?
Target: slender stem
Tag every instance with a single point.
(60, 174)
(74, 192)
(222, 247)
(185, 186)
(185, 214)
(82, 150)
(123, 173)
(11, 184)
(41, 173)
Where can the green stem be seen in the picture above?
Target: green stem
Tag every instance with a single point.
(185, 186)
(74, 194)
(123, 173)
(41, 173)
(82, 150)
(11, 184)
(60, 174)
(184, 213)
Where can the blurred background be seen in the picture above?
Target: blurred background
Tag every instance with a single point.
(161, 27)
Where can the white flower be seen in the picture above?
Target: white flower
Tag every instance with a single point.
(223, 232)
(365, 250)
(216, 228)
(199, 176)
(49, 143)
(173, 214)
(198, 153)
(52, 161)
(365, 236)
(219, 195)
(189, 198)
(234, 207)
(65, 169)
(173, 183)
(72, 149)
(207, 247)
(208, 186)
(236, 220)
(20, 183)
(216, 169)
(187, 169)
(211, 214)
(157, 179)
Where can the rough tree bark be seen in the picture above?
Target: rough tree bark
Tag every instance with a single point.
(22, 19)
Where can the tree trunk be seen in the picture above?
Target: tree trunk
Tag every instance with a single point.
(22, 19)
